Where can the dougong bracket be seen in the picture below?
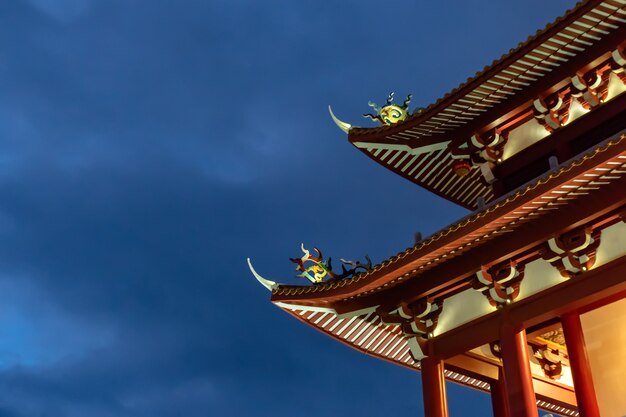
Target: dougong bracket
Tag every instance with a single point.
(418, 318)
(552, 111)
(549, 360)
(572, 253)
(499, 283)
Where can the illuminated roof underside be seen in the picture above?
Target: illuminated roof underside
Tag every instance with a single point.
(367, 333)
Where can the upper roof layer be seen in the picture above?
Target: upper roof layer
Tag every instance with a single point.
(420, 148)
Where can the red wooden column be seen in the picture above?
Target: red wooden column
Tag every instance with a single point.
(434, 388)
(519, 381)
(498, 396)
(579, 364)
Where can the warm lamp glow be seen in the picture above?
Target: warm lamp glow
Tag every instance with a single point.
(616, 87)
(575, 111)
(523, 136)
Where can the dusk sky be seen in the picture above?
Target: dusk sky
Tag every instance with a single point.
(148, 147)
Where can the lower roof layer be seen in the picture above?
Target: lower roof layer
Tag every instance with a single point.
(574, 180)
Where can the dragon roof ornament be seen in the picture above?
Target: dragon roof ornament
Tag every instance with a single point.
(317, 270)
(387, 115)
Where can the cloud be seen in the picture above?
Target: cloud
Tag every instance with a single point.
(36, 333)
(63, 10)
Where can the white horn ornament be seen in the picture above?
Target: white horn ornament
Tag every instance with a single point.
(270, 285)
(342, 125)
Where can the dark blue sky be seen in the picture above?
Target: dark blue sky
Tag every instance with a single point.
(148, 147)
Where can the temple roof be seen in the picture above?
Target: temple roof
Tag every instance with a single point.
(395, 310)
(423, 148)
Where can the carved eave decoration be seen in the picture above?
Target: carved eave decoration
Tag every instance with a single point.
(549, 359)
(418, 318)
(573, 252)
(499, 283)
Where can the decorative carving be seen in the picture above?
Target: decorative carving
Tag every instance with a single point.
(554, 336)
(549, 360)
(461, 167)
(591, 89)
(483, 151)
(499, 283)
(318, 270)
(496, 349)
(552, 111)
(418, 318)
(573, 252)
(390, 113)
(490, 145)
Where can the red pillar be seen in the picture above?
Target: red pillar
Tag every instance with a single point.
(499, 397)
(434, 388)
(516, 363)
(579, 363)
